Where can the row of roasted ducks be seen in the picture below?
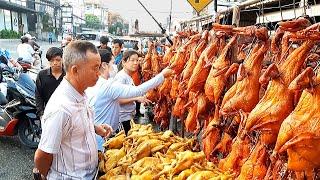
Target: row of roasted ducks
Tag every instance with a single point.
(273, 109)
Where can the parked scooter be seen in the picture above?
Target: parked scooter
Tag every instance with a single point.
(18, 109)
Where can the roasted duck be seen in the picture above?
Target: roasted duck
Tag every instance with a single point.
(179, 60)
(194, 56)
(220, 71)
(202, 69)
(299, 134)
(278, 101)
(244, 94)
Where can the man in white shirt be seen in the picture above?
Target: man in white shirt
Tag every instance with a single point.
(25, 50)
(68, 149)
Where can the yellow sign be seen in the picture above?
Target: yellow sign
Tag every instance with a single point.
(198, 5)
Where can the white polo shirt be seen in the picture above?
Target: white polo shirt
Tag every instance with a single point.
(68, 133)
(25, 52)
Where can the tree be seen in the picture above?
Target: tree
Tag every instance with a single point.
(92, 21)
(47, 23)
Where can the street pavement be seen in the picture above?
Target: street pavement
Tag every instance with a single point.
(11, 45)
(16, 161)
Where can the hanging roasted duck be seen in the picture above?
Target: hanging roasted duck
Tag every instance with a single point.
(219, 73)
(255, 166)
(278, 101)
(194, 56)
(179, 60)
(299, 134)
(147, 65)
(244, 94)
(170, 51)
(202, 69)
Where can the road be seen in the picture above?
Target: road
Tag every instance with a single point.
(16, 161)
(11, 45)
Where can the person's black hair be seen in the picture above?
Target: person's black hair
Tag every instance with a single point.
(104, 40)
(105, 55)
(117, 41)
(24, 39)
(53, 52)
(128, 54)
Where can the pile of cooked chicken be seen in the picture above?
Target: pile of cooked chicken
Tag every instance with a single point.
(254, 98)
(145, 154)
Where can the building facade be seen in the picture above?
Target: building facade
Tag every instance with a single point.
(99, 9)
(33, 16)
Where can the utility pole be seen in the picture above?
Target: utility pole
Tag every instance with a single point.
(216, 6)
(170, 16)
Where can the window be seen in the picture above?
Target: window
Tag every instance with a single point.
(7, 19)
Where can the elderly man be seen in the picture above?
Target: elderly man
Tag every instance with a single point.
(68, 149)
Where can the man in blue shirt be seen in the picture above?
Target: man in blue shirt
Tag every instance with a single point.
(104, 96)
(117, 45)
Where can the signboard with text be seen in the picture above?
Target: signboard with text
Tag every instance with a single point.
(198, 5)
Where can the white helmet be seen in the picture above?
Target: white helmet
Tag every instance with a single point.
(28, 36)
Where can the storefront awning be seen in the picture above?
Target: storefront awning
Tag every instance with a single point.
(15, 7)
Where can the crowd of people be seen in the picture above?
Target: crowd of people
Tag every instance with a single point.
(86, 95)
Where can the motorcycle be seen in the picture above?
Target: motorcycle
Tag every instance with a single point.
(37, 64)
(18, 107)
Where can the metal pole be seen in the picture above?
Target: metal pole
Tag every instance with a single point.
(163, 31)
(170, 15)
(304, 8)
(216, 5)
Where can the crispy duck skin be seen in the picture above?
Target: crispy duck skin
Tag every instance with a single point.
(165, 87)
(237, 157)
(211, 135)
(255, 166)
(299, 134)
(191, 120)
(147, 66)
(244, 94)
(155, 62)
(178, 108)
(194, 56)
(174, 91)
(294, 25)
(202, 69)
(180, 58)
(219, 73)
(278, 101)
(170, 52)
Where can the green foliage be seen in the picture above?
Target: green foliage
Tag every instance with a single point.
(9, 34)
(47, 23)
(117, 28)
(92, 21)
